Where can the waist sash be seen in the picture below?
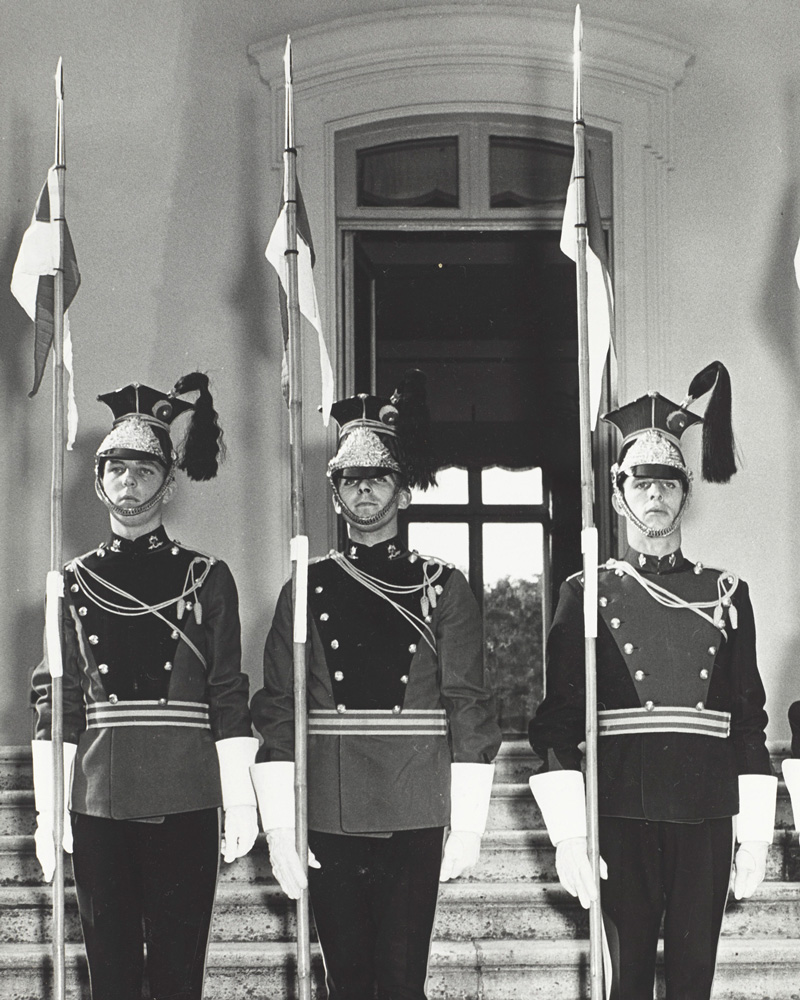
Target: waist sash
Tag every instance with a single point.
(184, 714)
(664, 719)
(377, 722)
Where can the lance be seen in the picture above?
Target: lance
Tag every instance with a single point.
(55, 582)
(299, 544)
(588, 531)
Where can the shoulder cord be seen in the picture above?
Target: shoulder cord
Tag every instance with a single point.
(726, 587)
(139, 607)
(384, 589)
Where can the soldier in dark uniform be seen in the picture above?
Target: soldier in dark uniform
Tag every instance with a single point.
(402, 727)
(155, 705)
(683, 768)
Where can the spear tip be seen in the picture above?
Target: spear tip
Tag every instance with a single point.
(577, 34)
(60, 79)
(287, 59)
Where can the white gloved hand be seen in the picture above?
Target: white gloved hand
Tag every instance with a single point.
(285, 862)
(461, 851)
(239, 832)
(574, 870)
(44, 795)
(749, 866)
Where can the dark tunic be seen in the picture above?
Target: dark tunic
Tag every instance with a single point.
(387, 713)
(175, 674)
(694, 700)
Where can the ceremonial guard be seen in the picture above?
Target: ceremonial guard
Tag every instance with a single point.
(401, 722)
(157, 729)
(683, 767)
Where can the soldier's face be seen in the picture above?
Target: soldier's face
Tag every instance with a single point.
(130, 482)
(366, 496)
(656, 502)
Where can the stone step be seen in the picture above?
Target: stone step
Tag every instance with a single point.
(466, 911)
(473, 970)
(506, 856)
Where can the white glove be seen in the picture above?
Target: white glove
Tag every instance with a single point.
(239, 831)
(240, 828)
(470, 793)
(44, 796)
(756, 818)
(749, 866)
(461, 851)
(561, 798)
(574, 870)
(273, 782)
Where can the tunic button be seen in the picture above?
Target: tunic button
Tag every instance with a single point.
(428, 618)
(82, 612)
(699, 706)
(101, 552)
(603, 602)
(698, 568)
(413, 557)
(712, 650)
(628, 648)
(324, 616)
(618, 572)
(338, 676)
(188, 605)
(162, 701)
(614, 622)
(439, 588)
(404, 679)
(113, 699)
(396, 710)
(317, 590)
(174, 550)
(93, 640)
(412, 648)
(175, 633)
(168, 665)
(103, 668)
(639, 675)
(334, 643)
(704, 674)
(74, 588)
(341, 709)
(649, 706)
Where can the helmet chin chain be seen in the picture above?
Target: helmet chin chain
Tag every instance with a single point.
(364, 522)
(142, 508)
(638, 523)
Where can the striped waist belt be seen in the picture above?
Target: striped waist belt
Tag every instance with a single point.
(666, 719)
(184, 714)
(377, 722)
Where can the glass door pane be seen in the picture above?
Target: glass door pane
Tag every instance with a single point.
(513, 617)
(446, 541)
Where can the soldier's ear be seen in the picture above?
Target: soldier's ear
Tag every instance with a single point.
(403, 498)
(617, 505)
(169, 492)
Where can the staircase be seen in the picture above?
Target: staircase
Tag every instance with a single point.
(505, 932)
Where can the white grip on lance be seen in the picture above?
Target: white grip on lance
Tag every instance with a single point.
(589, 549)
(298, 551)
(54, 591)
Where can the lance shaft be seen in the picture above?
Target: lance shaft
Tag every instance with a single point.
(295, 365)
(589, 532)
(56, 544)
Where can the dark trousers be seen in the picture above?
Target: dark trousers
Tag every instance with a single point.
(374, 902)
(146, 883)
(680, 871)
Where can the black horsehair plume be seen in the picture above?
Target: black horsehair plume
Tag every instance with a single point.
(414, 430)
(719, 447)
(203, 448)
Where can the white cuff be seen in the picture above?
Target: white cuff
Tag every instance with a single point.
(43, 790)
(236, 754)
(470, 792)
(756, 819)
(791, 775)
(561, 798)
(274, 784)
